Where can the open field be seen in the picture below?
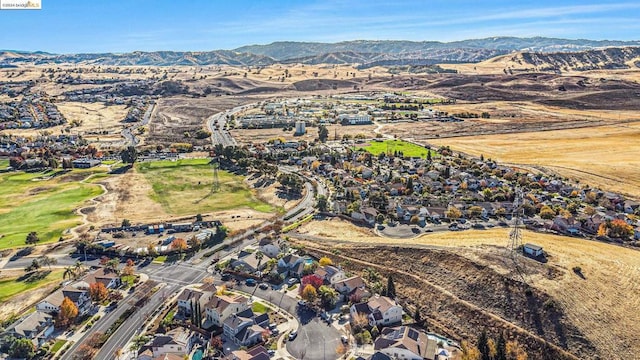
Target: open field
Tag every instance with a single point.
(604, 156)
(601, 306)
(32, 202)
(390, 146)
(184, 187)
(13, 286)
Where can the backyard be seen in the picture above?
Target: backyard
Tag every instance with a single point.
(184, 187)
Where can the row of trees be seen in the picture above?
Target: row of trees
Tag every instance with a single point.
(490, 349)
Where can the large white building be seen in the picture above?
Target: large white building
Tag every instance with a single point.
(300, 127)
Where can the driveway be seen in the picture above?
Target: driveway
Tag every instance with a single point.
(316, 339)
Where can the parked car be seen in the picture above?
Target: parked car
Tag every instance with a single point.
(292, 281)
(250, 282)
(344, 339)
(263, 286)
(293, 335)
(302, 303)
(226, 277)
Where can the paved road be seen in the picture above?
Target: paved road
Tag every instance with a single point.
(216, 124)
(316, 339)
(134, 323)
(104, 323)
(127, 133)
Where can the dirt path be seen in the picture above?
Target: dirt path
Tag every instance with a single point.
(448, 294)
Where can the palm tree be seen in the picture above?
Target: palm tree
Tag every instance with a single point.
(259, 257)
(78, 268)
(69, 272)
(112, 264)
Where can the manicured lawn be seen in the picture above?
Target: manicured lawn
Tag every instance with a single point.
(41, 202)
(128, 279)
(4, 164)
(57, 346)
(160, 259)
(391, 146)
(14, 286)
(170, 315)
(259, 308)
(184, 187)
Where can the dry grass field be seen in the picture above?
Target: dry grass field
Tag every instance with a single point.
(605, 156)
(602, 305)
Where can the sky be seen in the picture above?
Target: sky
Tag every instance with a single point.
(73, 26)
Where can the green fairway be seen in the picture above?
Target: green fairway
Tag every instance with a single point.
(390, 146)
(184, 187)
(4, 163)
(41, 203)
(14, 286)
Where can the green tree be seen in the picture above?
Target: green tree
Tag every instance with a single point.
(328, 295)
(547, 213)
(69, 272)
(483, 346)
(323, 133)
(32, 238)
(475, 211)
(321, 203)
(22, 349)
(416, 316)
(129, 155)
(391, 288)
(501, 348)
(126, 223)
(47, 261)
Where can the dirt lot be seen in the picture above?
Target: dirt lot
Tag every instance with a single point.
(599, 306)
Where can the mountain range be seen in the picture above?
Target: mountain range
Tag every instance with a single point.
(362, 52)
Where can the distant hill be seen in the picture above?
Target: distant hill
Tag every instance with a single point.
(155, 58)
(290, 50)
(609, 58)
(365, 53)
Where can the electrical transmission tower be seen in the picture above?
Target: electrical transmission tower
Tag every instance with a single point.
(515, 236)
(216, 179)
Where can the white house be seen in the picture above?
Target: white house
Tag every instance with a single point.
(330, 274)
(347, 286)
(37, 327)
(189, 298)
(78, 293)
(403, 342)
(178, 341)
(245, 328)
(291, 265)
(221, 307)
(380, 310)
(110, 279)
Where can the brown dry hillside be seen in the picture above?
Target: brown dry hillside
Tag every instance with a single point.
(460, 297)
(604, 156)
(602, 305)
